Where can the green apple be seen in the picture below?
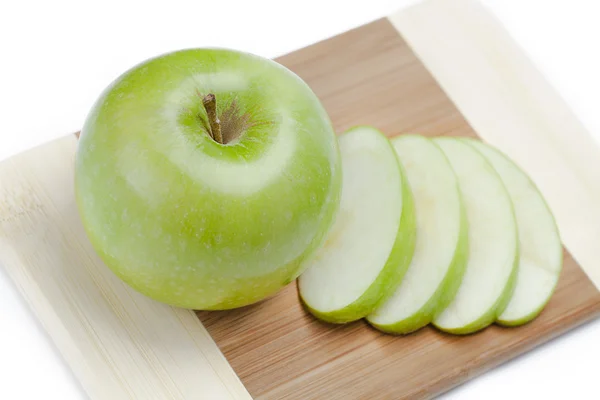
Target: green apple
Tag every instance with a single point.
(205, 177)
(491, 270)
(372, 241)
(541, 256)
(440, 256)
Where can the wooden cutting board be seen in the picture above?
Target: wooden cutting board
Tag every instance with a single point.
(443, 67)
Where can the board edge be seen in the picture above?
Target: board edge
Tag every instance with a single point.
(511, 105)
(73, 347)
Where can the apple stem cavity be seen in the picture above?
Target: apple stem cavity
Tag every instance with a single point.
(210, 105)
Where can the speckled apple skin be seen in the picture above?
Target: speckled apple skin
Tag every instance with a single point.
(191, 222)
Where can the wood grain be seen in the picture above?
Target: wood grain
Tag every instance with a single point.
(511, 105)
(119, 344)
(370, 76)
(122, 345)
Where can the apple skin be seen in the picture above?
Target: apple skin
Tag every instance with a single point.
(442, 297)
(448, 286)
(396, 264)
(191, 222)
(525, 194)
(391, 275)
(495, 311)
(497, 308)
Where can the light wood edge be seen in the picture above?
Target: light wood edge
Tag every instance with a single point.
(166, 352)
(119, 344)
(511, 105)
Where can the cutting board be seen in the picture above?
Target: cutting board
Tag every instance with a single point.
(442, 67)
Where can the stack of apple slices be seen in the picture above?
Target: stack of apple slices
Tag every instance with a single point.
(446, 231)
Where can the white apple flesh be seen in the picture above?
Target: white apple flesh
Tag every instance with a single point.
(540, 257)
(372, 241)
(489, 278)
(440, 256)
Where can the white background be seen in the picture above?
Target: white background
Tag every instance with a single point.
(56, 57)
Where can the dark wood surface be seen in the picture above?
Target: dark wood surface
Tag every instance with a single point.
(370, 76)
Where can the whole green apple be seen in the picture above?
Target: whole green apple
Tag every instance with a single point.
(206, 177)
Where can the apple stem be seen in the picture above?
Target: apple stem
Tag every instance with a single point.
(210, 105)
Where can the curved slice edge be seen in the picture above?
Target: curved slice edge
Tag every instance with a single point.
(533, 312)
(500, 304)
(447, 288)
(395, 267)
(390, 276)
(441, 298)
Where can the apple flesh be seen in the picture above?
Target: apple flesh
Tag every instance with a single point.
(440, 256)
(540, 256)
(372, 241)
(489, 278)
(200, 220)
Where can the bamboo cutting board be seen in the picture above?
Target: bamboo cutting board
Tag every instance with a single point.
(442, 67)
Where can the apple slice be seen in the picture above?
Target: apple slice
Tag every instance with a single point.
(540, 258)
(489, 278)
(440, 256)
(372, 241)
